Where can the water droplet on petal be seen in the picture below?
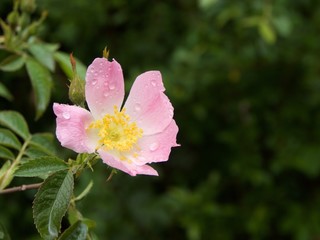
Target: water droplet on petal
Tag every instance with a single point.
(137, 107)
(171, 112)
(66, 115)
(154, 146)
(94, 82)
(154, 83)
(106, 94)
(112, 86)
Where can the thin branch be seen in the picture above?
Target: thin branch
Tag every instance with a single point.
(21, 188)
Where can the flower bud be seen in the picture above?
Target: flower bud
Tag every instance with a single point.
(13, 18)
(28, 6)
(76, 88)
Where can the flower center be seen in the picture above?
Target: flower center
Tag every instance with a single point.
(116, 132)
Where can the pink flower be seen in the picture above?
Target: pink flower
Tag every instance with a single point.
(128, 138)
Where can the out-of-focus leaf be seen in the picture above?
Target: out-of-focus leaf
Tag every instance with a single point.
(4, 233)
(77, 231)
(51, 203)
(4, 92)
(40, 167)
(267, 32)
(8, 139)
(43, 54)
(4, 168)
(41, 82)
(5, 153)
(204, 4)
(63, 60)
(16, 122)
(52, 47)
(12, 63)
(283, 25)
(7, 32)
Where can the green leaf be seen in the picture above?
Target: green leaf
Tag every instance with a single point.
(267, 32)
(77, 231)
(4, 92)
(4, 168)
(63, 60)
(41, 82)
(6, 153)
(4, 233)
(43, 54)
(42, 166)
(51, 203)
(44, 143)
(6, 174)
(52, 47)
(34, 152)
(8, 139)
(15, 122)
(12, 63)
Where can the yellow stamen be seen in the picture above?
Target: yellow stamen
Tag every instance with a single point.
(117, 133)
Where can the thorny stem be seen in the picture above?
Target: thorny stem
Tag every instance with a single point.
(21, 188)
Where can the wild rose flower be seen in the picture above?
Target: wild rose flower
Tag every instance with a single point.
(126, 138)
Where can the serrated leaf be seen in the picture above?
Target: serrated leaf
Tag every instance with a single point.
(6, 174)
(63, 60)
(77, 231)
(15, 121)
(51, 203)
(8, 139)
(43, 54)
(12, 63)
(34, 152)
(42, 166)
(4, 233)
(4, 92)
(6, 153)
(43, 142)
(41, 82)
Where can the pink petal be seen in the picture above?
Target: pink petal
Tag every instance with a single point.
(157, 148)
(71, 127)
(125, 166)
(148, 105)
(104, 87)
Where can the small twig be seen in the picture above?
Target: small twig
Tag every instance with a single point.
(21, 188)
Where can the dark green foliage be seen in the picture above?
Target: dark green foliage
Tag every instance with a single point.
(244, 78)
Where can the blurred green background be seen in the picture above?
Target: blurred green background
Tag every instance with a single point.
(244, 78)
